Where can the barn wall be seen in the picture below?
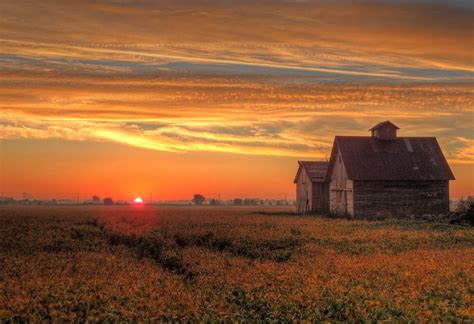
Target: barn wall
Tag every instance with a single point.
(374, 199)
(304, 193)
(340, 189)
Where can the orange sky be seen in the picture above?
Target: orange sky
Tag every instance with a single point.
(127, 98)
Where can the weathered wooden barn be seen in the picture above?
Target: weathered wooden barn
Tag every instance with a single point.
(384, 175)
(312, 194)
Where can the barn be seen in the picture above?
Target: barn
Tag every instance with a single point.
(384, 175)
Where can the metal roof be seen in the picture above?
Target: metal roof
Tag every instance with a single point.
(403, 158)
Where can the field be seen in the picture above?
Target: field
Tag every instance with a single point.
(209, 263)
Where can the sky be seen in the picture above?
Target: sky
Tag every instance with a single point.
(170, 98)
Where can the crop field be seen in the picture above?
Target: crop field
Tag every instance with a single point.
(77, 263)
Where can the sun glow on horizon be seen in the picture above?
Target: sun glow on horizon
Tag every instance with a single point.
(138, 200)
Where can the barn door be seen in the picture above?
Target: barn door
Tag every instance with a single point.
(341, 202)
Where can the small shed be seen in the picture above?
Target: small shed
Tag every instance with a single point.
(312, 194)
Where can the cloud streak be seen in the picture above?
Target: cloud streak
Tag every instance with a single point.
(247, 115)
(366, 39)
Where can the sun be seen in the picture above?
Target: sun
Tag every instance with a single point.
(138, 200)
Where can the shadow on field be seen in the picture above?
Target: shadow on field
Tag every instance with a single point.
(153, 246)
(274, 250)
(166, 250)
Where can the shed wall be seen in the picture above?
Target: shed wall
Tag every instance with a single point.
(304, 193)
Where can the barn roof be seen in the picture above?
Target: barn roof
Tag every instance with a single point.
(316, 170)
(403, 158)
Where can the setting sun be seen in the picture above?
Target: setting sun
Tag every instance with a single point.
(138, 200)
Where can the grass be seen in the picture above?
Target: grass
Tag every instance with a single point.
(207, 264)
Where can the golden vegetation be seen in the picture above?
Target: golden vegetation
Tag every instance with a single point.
(164, 263)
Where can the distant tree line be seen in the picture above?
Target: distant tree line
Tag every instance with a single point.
(96, 200)
(199, 199)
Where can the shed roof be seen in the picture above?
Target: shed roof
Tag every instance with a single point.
(316, 170)
(404, 158)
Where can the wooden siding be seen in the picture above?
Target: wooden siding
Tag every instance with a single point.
(379, 199)
(304, 193)
(320, 200)
(340, 189)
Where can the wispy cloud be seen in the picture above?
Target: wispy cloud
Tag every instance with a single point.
(364, 39)
(248, 115)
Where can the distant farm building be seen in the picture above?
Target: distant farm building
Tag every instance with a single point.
(376, 176)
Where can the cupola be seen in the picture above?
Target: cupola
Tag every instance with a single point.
(385, 130)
